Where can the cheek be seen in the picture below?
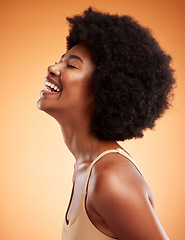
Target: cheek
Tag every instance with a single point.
(69, 79)
(77, 92)
(78, 83)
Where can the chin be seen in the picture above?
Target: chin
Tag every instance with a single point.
(45, 106)
(49, 108)
(41, 105)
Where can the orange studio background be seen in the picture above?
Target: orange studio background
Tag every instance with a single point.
(35, 165)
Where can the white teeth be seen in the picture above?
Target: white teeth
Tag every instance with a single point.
(51, 85)
(47, 89)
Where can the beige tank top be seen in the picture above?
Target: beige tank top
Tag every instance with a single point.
(81, 227)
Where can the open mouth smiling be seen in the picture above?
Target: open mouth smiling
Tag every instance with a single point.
(51, 85)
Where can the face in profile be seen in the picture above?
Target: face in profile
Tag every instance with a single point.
(68, 84)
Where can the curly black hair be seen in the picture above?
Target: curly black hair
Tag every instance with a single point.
(133, 79)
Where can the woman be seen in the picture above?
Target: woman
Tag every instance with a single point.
(112, 83)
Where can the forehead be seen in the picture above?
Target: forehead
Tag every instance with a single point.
(81, 50)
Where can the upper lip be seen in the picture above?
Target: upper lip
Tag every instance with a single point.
(52, 80)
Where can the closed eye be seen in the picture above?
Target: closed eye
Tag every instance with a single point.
(70, 66)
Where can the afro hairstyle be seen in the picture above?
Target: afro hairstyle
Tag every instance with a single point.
(133, 79)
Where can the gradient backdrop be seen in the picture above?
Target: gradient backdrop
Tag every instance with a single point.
(35, 165)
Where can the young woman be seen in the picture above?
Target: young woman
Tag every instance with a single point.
(113, 82)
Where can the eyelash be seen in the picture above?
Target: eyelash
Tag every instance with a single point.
(68, 65)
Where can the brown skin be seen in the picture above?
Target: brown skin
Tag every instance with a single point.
(119, 202)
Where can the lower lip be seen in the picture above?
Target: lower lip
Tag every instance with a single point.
(45, 92)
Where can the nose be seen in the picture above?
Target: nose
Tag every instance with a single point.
(54, 69)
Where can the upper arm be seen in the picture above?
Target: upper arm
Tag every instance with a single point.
(124, 205)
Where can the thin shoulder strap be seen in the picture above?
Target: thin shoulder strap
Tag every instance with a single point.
(118, 150)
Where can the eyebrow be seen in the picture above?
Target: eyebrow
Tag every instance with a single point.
(73, 57)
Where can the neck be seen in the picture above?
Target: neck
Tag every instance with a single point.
(82, 143)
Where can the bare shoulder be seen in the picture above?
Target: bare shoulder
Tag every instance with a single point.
(123, 199)
(118, 172)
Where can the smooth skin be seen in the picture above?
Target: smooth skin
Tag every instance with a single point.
(119, 202)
